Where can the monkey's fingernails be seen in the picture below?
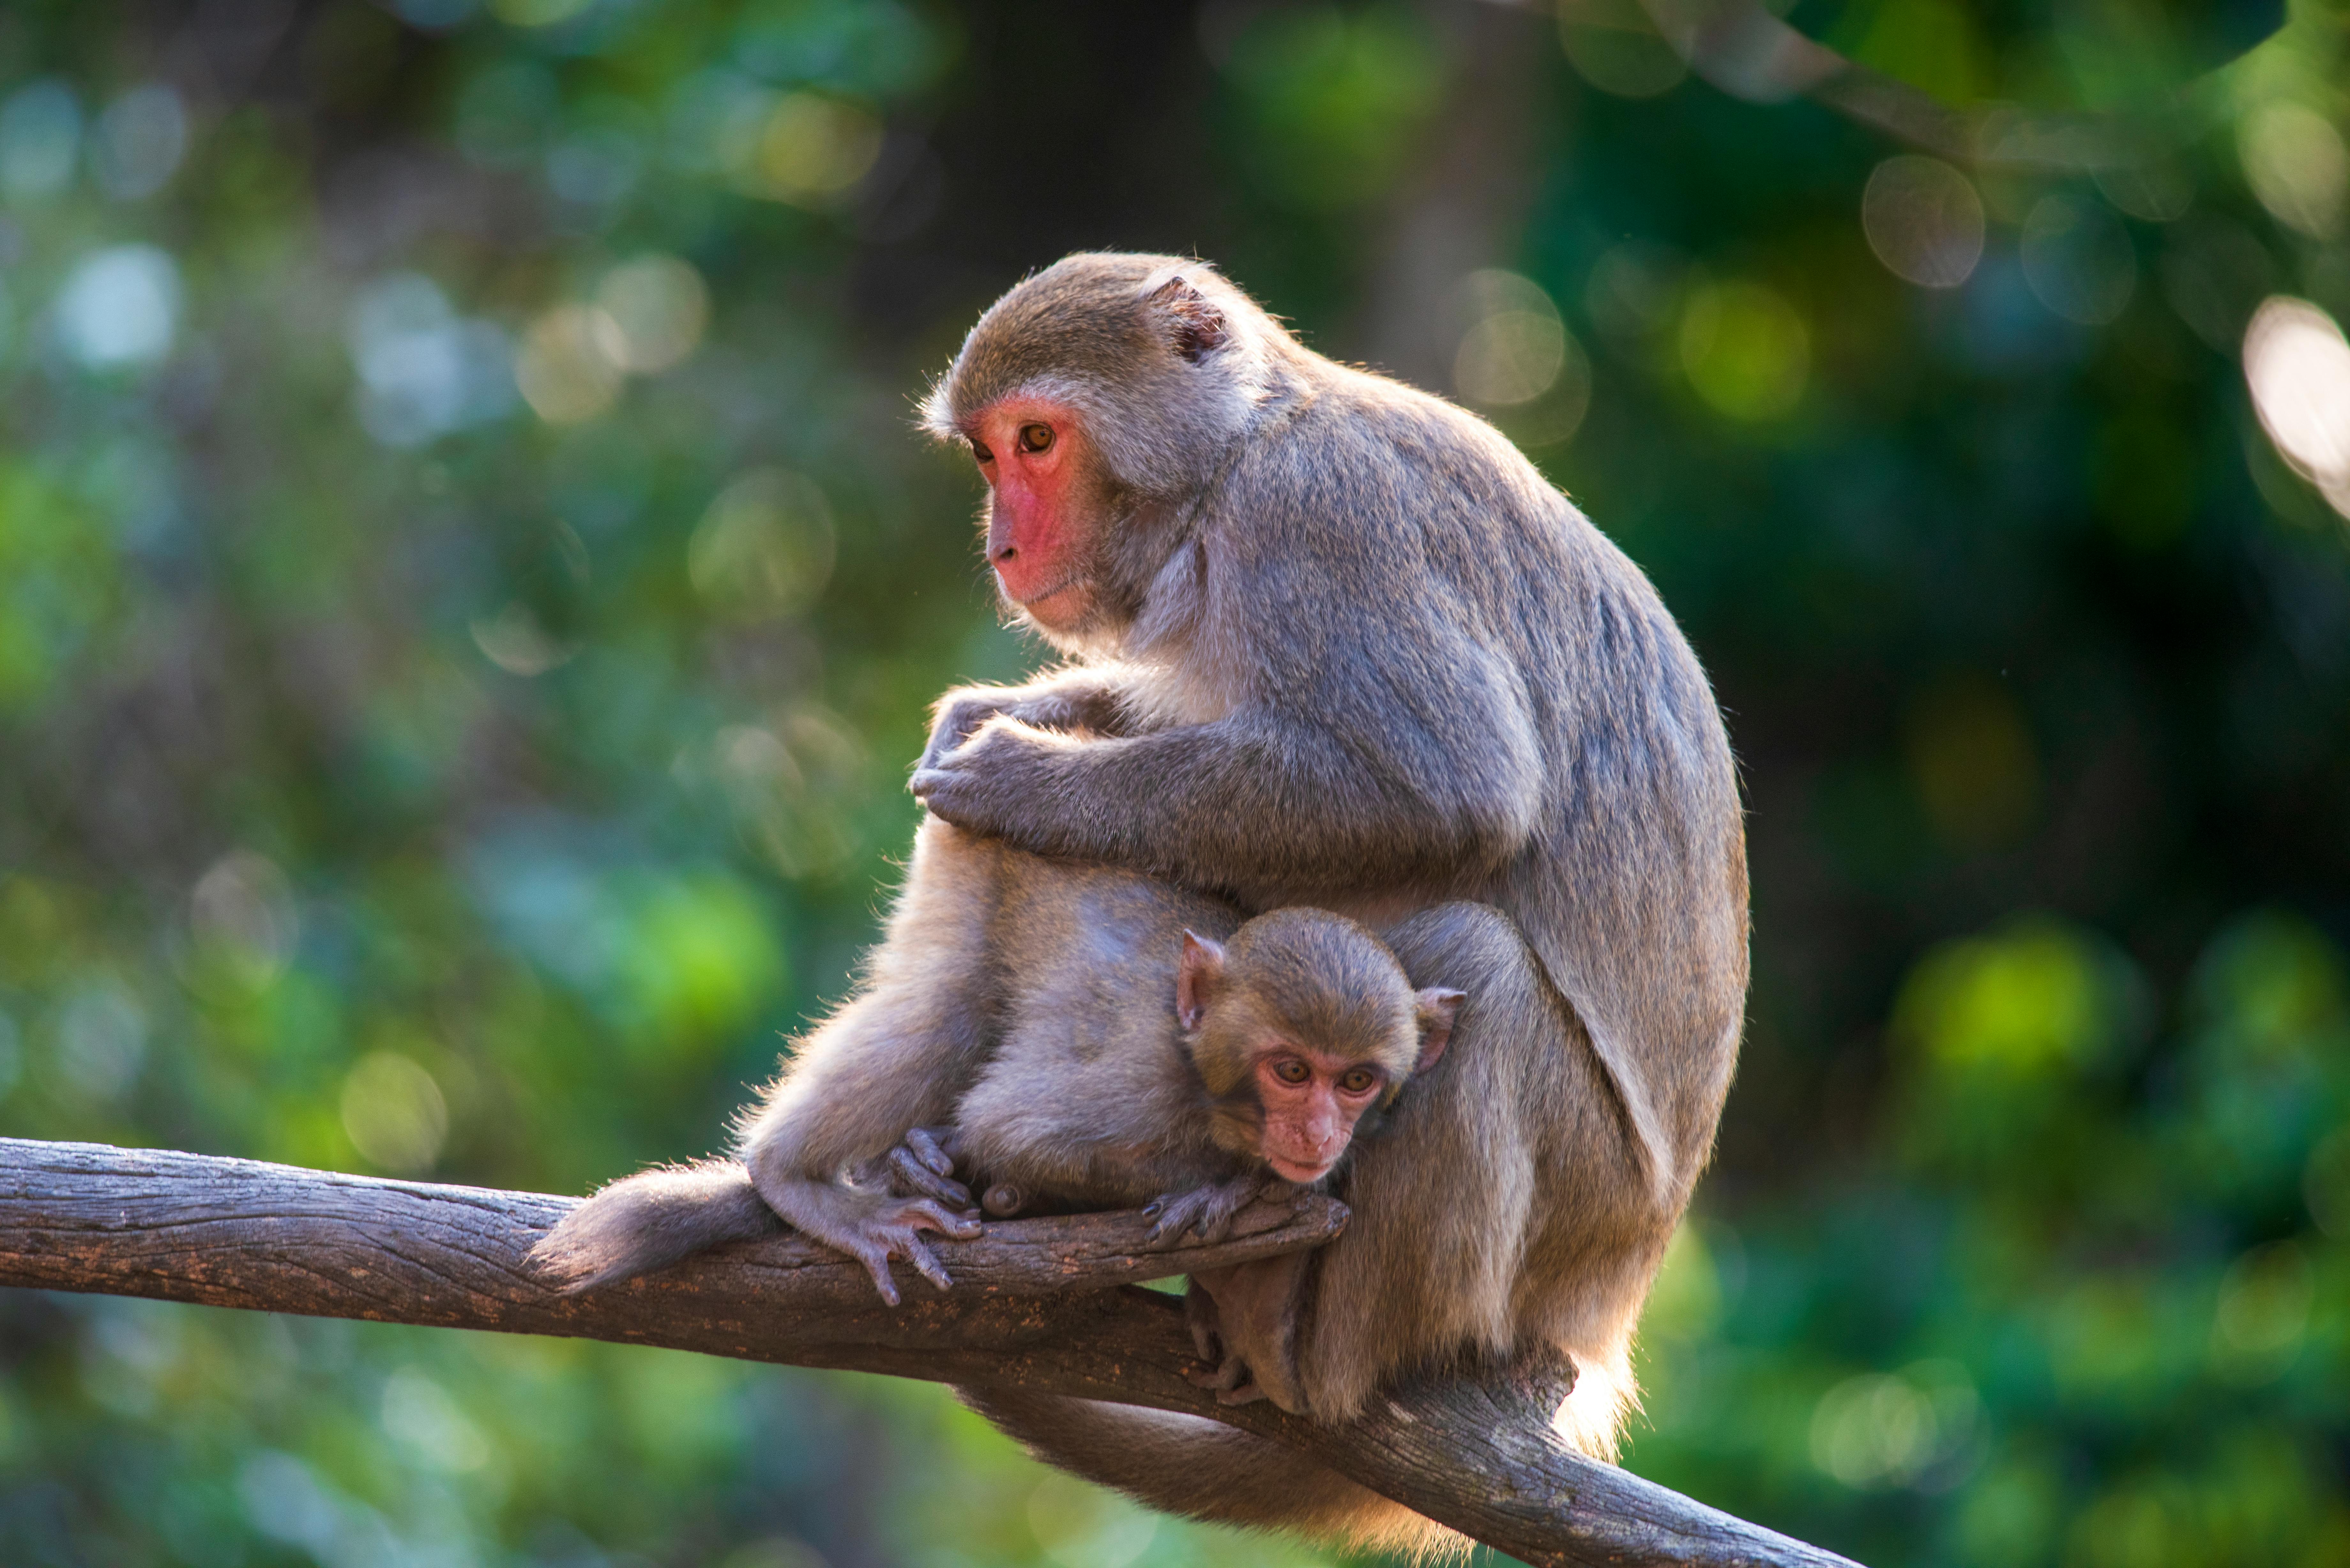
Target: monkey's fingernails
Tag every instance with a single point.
(927, 1266)
(1151, 1210)
(879, 1269)
(926, 1149)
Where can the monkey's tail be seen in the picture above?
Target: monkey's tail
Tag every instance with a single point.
(652, 1219)
(1196, 1468)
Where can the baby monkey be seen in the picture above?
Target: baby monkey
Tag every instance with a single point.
(1054, 1036)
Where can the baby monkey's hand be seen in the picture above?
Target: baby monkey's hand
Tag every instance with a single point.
(1207, 1209)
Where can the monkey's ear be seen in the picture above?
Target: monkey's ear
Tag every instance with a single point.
(1439, 1005)
(1197, 975)
(1195, 327)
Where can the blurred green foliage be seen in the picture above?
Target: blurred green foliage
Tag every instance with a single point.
(469, 590)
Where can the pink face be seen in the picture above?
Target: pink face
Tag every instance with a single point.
(1312, 1101)
(1032, 455)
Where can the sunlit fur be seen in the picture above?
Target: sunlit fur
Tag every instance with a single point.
(1031, 1006)
(1374, 662)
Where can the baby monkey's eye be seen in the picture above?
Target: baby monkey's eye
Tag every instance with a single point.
(1361, 1081)
(1035, 437)
(1292, 1070)
(978, 449)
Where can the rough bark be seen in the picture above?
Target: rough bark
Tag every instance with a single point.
(1047, 1305)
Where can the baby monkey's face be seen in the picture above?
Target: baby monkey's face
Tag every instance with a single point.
(1306, 1027)
(1312, 1100)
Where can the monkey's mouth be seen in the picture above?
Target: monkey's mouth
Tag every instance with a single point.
(1047, 596)
(1303, 1175)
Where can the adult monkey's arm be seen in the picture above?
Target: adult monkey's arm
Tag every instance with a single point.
(1029, 1310)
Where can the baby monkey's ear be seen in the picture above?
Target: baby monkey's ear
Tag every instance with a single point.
(1439, 1005)
(1197, 976)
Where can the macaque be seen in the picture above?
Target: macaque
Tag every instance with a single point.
(1089, 1039)
(1334, 641)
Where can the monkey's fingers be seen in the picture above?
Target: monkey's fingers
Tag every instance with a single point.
(934, 1146)
(954, 727)
(925, 1262)
(930, 779)
(876, 1260)
(923, 1214)
(1216, 1223)
(1174, 1214)
(917, 1180)
(1246, 1393)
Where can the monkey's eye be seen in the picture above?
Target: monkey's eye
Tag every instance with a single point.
(978, 449)
(1361, 1081)
(1035, 437)
(1292, 1072)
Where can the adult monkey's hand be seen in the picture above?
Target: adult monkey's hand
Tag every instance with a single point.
(981, 782)
(1079, 700)
(1363, 656)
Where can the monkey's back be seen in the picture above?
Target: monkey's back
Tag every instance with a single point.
(1593, 719)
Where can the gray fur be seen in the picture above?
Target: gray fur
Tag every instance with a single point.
(1368, 658)
(652, 1219)
(1030, 1004)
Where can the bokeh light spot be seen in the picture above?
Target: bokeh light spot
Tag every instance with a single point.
(2078, 259)
(241, 912)
(650, 312)
(813, 147)
(1921, 1426)
(2297, 365)
(101, 1037)
(1746, 349)
(2263, 1313)
(121, 307)
(419, 1414)
(2295, 163)
(2024, 1004)
(2325, 1184)
(139, 142)
(766, 546)
(514, 641)
(565, 371)
(1081, 1526)
(2158, 190)
(702, 957)
(1515, 346)
(1614, 46)
(1924, 220)
(394, 1113)
(40, 140)
(1871, 1430)
(425, 370)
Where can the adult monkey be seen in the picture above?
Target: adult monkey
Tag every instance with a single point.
(1333, 640)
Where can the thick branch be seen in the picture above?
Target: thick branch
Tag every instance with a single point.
(1042, 1305)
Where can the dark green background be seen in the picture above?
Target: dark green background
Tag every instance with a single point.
(392, 778)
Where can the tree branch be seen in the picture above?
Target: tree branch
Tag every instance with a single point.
(1042, 1305)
